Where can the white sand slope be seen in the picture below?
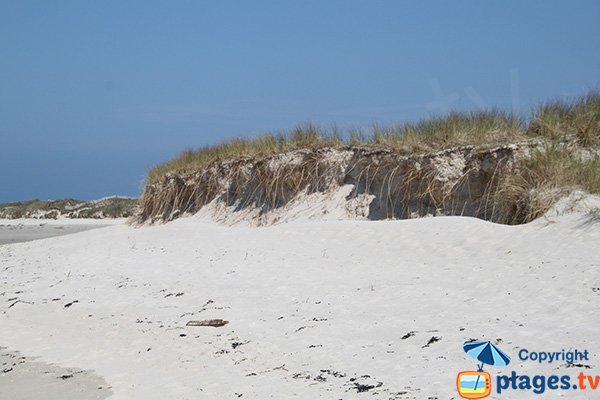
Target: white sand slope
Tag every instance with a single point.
(316, 310)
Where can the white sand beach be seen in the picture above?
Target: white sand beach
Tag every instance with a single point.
(25, 230)
(316, 309)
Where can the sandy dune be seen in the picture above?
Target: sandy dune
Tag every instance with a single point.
(334, 309)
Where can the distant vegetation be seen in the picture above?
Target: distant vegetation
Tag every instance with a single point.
(110, 207)
(565, 156)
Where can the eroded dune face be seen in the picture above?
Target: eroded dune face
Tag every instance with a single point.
(363, 185)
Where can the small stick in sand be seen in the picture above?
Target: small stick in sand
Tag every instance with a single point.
(208, 322)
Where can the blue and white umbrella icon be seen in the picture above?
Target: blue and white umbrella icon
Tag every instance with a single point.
(487, 353)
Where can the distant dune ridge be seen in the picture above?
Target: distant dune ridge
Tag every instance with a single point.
(489, 164)
(107, 207)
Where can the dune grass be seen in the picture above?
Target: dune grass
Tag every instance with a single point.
(307, 136)
(538, 182)
(553, 120)
(579, 117)
(437, 133)
(489, 127)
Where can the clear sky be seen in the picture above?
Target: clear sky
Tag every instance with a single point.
(93, 93)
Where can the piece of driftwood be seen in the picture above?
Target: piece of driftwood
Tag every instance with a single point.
(208, 322)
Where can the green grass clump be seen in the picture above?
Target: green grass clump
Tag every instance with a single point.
(455, 129)
(579, 117)
(538, 182)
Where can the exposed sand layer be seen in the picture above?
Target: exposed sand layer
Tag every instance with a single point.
(316, 310)
(25, 379)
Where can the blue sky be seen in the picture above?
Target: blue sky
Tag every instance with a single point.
(93, 93)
